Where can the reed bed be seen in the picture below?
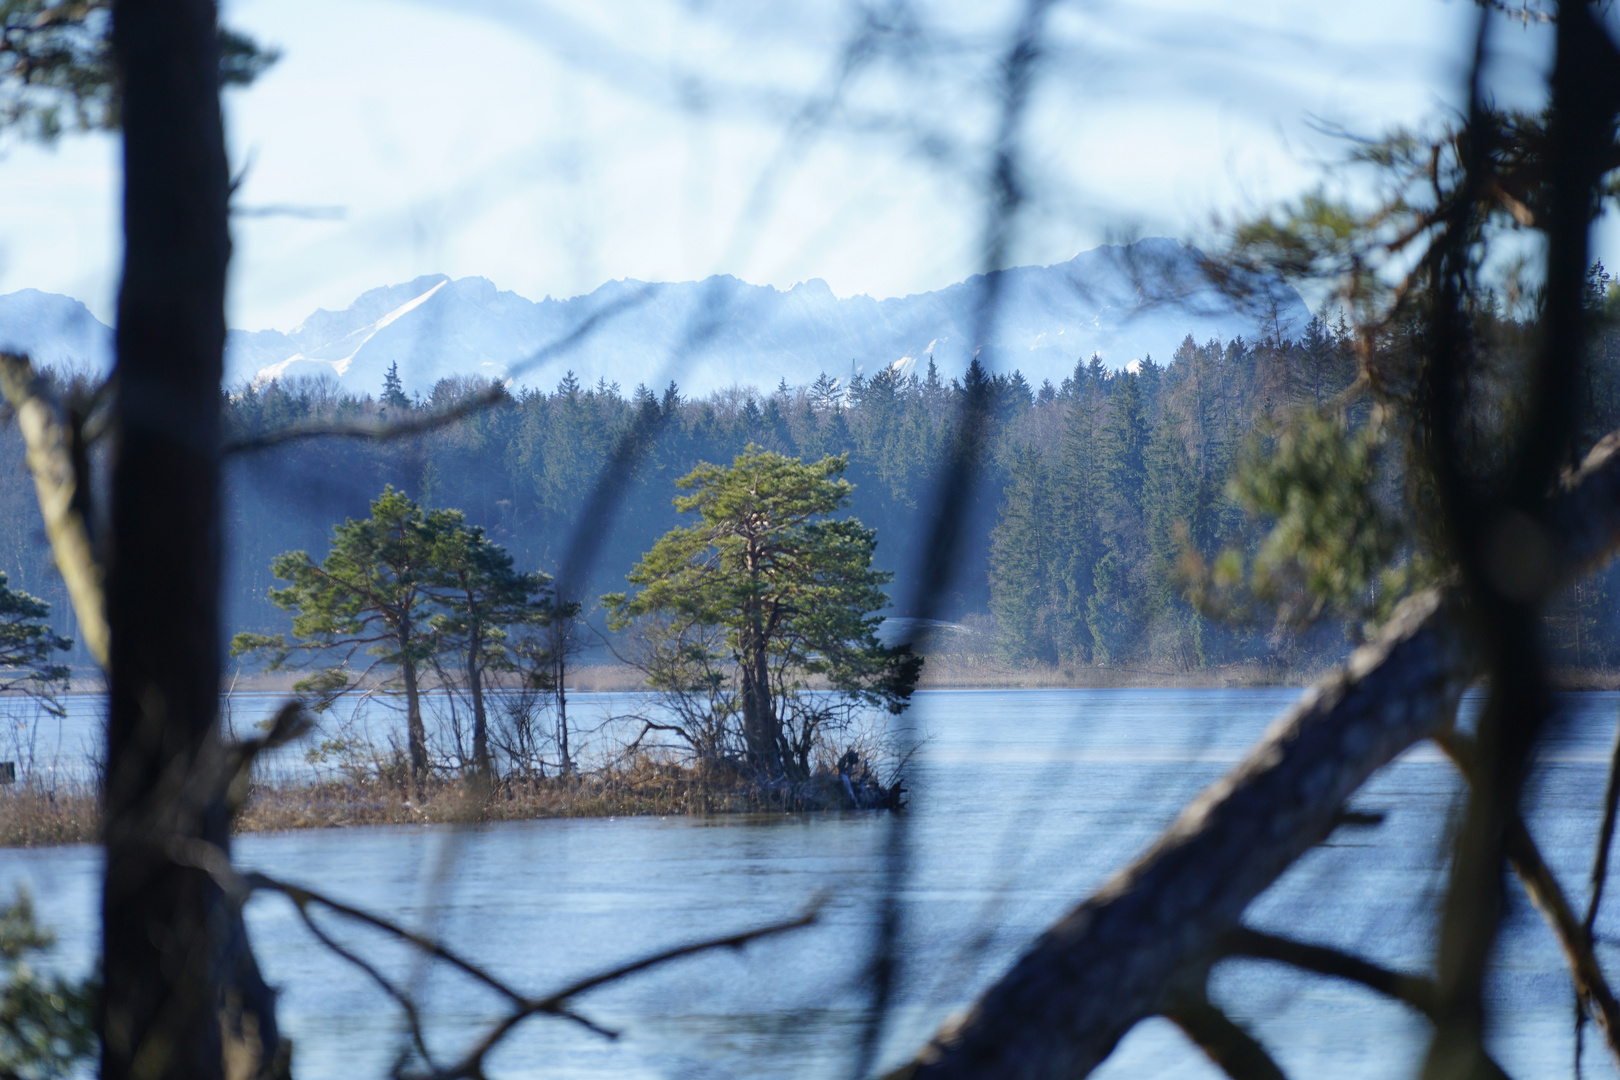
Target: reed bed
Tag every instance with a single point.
(32, 816)
(638, 789)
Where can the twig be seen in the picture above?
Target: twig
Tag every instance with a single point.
(1237, 1052)
(1591, 987)
(301, 896)
(1414, 990)
(412, 1016)
(238, 886)
(555, 1004)
(1600, 874)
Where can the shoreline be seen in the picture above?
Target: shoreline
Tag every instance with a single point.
(33, 816)
(993, 675)
(941, 673)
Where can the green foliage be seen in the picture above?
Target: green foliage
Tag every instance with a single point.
(411, 588)
(525, 470)
(1333, 542)
(47, 1023)
(56, 66)
(479, 594)
(28, 647)
(1111, 613)
(742, 609)
(393, 391)
(373, 593)
(1025, 590)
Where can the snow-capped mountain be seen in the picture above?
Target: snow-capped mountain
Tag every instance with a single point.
(55, 331)
(1123, 302)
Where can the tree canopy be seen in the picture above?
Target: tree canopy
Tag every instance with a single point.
(29, 647)
(56, 66)
(745, 607)
(412, 588)
(372, 592)
(480, 596)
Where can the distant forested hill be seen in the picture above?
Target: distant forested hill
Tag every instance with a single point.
(1091, 489)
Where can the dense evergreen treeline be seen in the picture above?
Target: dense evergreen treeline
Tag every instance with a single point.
(1094, 489)
(1114, 476)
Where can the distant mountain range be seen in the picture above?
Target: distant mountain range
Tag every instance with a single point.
(1123, 302)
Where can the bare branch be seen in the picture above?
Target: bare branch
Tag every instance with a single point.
(302, 897)
(239, 886)
(406, 1003)
(61, 492)
(1600, 874)
(1238, 1053)
(1109, 962)
(556, 1004)
(1414, 990)
(1548, 896)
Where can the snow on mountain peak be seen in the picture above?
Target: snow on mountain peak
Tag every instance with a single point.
(1124, 302)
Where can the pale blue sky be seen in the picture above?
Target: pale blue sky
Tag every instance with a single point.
(553, 146)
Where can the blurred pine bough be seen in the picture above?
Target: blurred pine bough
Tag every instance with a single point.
(47, 1022)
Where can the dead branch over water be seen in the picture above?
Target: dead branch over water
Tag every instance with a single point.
(1127, 952)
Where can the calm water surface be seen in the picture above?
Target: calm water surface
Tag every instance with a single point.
(1024, 802)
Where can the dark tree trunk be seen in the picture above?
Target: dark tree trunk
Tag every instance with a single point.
(560, 667)
(475, 681)
(415, 731)
(759, 718)
(170, 939)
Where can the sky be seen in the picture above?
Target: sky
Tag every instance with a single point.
(553, 146)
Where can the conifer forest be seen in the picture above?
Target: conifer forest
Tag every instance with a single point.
(1096, 535)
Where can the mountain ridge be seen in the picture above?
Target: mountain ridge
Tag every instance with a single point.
(1123, 302)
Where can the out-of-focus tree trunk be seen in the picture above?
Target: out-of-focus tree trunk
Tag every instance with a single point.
(177, 965)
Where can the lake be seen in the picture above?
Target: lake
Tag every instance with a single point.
(1024, 802)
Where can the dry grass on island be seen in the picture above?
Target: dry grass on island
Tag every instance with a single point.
(34, 816)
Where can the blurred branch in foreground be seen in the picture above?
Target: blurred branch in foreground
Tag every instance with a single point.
(1121, 956)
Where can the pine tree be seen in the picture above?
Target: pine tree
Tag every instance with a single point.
(28, 647)
(372, 594)
(766, 591)
(482, 598)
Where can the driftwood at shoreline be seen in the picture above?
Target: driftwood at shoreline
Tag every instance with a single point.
(1132, 949)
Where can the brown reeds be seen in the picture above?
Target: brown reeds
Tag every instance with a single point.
(32, 816)
(640, 787)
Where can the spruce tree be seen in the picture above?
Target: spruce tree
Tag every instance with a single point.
(1022, 570)
(1078, 534)
(393, 392)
